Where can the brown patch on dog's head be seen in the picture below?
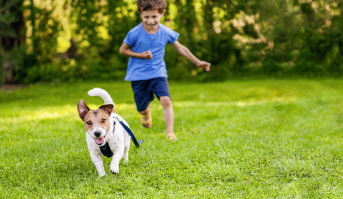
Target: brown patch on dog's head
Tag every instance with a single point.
(82, 108)
(97, 120)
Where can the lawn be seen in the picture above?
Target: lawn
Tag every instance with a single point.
(237, 139)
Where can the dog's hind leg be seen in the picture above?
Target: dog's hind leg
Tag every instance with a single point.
(126, 155)
(97, 160)
(126, 149)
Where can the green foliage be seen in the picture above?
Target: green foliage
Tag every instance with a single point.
(12, 62)
(237, 139)
(7, 17)
(12, 52)
(239, 38)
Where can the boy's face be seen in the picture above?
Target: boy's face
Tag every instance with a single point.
(151, 19)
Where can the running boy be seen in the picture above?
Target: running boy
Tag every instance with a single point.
(145, 45)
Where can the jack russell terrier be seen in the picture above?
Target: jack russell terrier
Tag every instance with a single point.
(104, 133)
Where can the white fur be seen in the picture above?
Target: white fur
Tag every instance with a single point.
(119, 140)
(101, 93)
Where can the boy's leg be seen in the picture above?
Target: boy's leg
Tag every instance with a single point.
(168, 114)
(146, 119)
(143, 95)
(161, 90)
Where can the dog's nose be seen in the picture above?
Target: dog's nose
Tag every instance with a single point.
(97, 134)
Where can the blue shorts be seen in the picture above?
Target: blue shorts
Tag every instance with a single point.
(144, 91)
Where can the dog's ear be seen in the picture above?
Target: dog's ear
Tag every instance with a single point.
(82, 108)
(108, 108)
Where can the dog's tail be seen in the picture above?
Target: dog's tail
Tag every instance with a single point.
(101, 93)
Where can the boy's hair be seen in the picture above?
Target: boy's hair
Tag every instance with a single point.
(144, 5)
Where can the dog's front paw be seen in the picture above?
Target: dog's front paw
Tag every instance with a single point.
(114, 169)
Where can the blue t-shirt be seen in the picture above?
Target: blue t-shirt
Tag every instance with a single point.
(141, 41)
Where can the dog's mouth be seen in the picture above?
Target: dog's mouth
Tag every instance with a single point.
(99, 141)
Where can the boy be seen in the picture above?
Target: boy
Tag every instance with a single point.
(145, 45)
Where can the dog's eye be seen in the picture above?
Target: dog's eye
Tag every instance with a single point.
(103, 120)
(89, 123)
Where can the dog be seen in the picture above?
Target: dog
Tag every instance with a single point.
(104, 134)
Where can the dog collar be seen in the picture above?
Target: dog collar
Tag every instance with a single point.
(106, 150)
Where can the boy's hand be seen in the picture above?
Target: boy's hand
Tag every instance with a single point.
(146, 55)
(205, 65)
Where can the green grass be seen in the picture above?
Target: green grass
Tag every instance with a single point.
(237, 139)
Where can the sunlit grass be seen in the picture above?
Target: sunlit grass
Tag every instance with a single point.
(252, 139)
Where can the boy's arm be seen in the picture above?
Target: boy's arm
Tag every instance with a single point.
(182, 50)
(125, 49)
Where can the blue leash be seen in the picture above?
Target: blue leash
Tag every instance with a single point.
(131, 134)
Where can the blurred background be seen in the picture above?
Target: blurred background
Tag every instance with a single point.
(70, 40)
